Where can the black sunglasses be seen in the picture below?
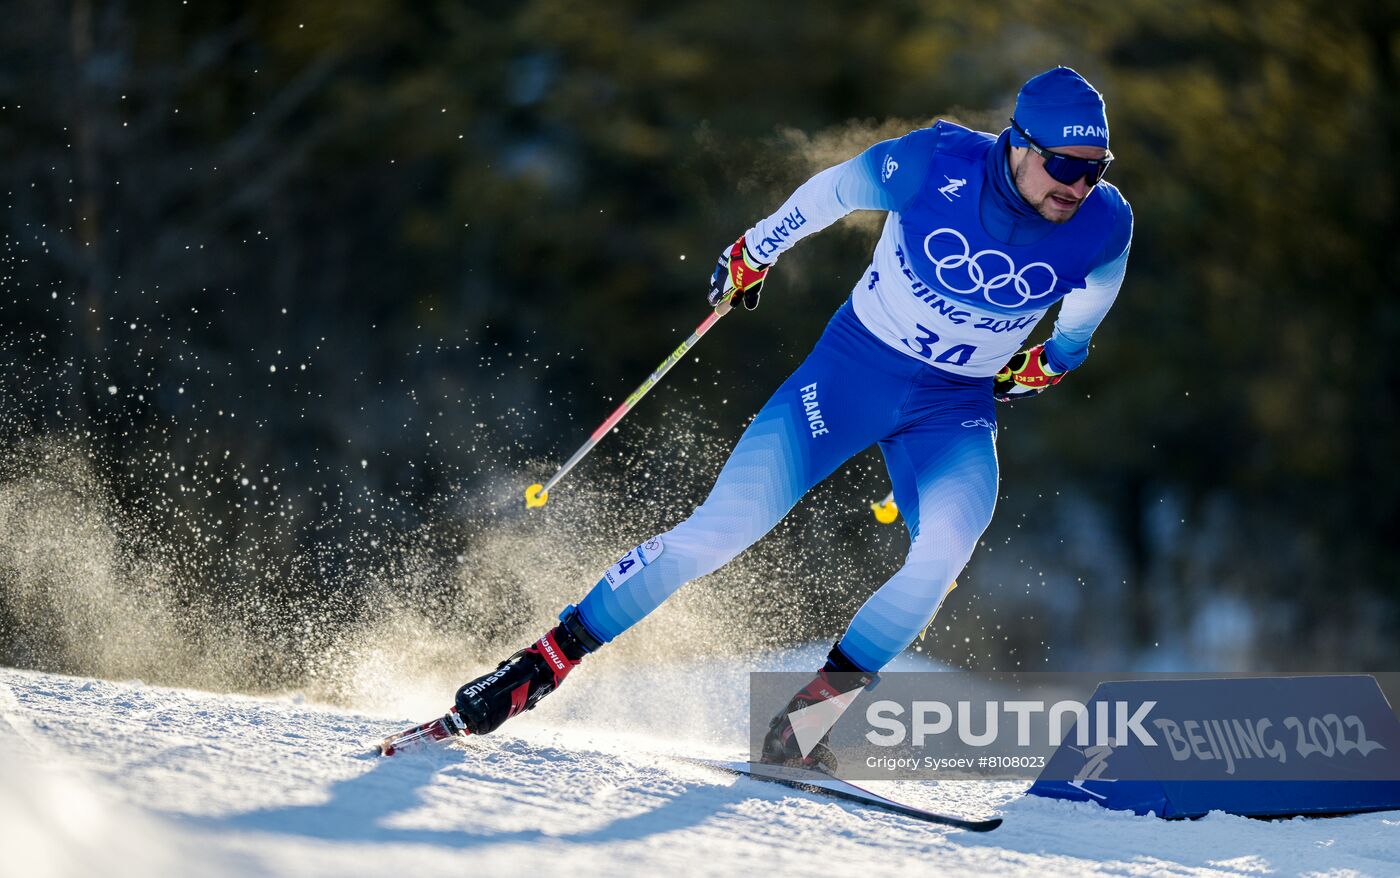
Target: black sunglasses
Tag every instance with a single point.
(1065, 168)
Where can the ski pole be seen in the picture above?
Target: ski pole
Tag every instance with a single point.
(537, 495)
(885, 511)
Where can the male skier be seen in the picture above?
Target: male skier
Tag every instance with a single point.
(984, 233)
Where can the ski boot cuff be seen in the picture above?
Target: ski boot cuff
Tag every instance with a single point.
(845, 674)
(573, 635)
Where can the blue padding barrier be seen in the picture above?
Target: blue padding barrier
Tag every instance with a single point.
(1254, 746)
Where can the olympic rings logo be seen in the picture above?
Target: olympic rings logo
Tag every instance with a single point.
(981, 282)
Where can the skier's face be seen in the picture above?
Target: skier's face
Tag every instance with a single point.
(1052, 199)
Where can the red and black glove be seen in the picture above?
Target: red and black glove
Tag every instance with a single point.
(738, 275)
(1028, 373)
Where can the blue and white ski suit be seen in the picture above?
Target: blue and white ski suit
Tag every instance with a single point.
(963, 271)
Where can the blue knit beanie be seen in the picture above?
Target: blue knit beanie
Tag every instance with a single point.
(1060, 108)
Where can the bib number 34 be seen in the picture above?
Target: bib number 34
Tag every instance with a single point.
(924, 346)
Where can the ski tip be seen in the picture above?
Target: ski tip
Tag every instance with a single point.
(431, 732)
(387, 746)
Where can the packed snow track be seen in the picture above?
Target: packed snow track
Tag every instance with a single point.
(125, 779)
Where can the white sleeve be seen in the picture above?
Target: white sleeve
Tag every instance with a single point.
(1082, 311)
(816, 204)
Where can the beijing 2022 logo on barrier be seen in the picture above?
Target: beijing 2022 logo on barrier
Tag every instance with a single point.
(978, 273)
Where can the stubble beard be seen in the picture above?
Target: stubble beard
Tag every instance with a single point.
(1043, 206)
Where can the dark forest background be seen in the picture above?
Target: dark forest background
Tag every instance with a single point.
(384, 260)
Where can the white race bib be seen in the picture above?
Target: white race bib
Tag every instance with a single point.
(632, 562)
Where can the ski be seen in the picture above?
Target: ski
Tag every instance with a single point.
(431, 732)
(450, 726)
(821, 783)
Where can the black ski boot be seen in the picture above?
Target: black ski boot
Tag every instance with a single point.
(780, 746)
(520, 681)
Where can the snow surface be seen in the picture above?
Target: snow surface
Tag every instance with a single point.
(127, 779)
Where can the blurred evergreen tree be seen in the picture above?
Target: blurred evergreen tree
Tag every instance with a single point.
(555, 177)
